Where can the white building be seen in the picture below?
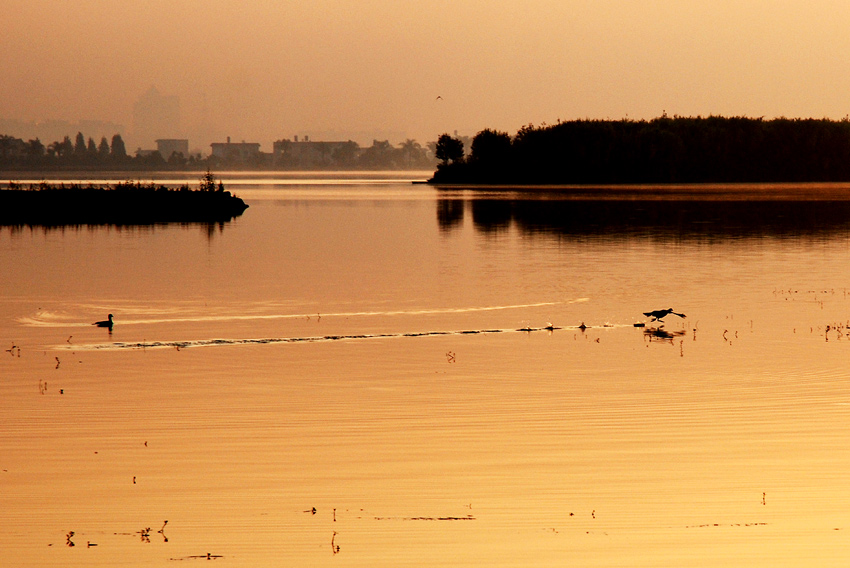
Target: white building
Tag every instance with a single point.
(236, 152)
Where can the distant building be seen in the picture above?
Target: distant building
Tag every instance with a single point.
(155, 115)
(169, 146)
(309, 154)
(236, 152)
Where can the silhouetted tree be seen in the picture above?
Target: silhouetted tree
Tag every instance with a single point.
(491, 147)
(6, 144)
(80, 145)
(449, 149)
(346, 154)
(208, 182)
(103, 148)
(380, 154)
(119, 151)
(62, 149)
(152, 160)
(35, 149)
(91, 149)
(177, 159)
(412, 152)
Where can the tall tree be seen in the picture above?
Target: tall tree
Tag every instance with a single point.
(491, 147)
(35, 148)
(119, 151)
(80, 145)
(379, 155)
(449, 149)
(103, 148)
(346, 154)
(412, 152)
(91, 148)
(66, 148)
(6, 144)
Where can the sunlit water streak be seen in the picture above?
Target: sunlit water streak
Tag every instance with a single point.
(659, 333)
(48, 319)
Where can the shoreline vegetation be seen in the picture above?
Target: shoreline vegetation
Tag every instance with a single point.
(664, 150)
(17, 155)
(125, 203)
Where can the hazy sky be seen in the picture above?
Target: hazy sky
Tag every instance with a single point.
(265, 70)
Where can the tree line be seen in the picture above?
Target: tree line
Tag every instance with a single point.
(79, 151)
(408, 154)
(662, 150)
(82, 153)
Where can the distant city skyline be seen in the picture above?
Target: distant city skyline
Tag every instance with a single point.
(55, 129)
(395, 70)
(157, 115)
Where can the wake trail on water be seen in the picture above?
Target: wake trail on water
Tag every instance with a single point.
(311, 339)
(48, 319)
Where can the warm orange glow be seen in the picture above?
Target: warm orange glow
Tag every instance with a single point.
(315, 354)
(266, 70)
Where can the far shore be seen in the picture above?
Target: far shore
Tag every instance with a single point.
(666, 150)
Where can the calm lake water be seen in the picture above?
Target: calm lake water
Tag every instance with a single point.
(338, 378)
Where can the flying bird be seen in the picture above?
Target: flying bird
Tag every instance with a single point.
(661, 314)
(105, 323)
(439, 98)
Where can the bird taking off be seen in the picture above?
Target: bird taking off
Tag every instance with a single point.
(661, 314)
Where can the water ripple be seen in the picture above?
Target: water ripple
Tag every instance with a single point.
(306, 339)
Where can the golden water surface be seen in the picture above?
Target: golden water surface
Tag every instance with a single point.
(358, 372)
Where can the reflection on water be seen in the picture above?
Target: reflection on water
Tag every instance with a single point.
(657, 219)
(390, 389)
(210, 229)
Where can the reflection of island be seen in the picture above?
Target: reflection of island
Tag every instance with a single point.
(124, 204)
(697, 219)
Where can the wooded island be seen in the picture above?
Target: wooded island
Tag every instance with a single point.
(659, 151)
(125, 203)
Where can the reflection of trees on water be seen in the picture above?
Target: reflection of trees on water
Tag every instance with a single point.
(449, 213)
(209, 229)
(697, 219)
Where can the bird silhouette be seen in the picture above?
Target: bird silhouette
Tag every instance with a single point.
(105, 323)
(661, 314)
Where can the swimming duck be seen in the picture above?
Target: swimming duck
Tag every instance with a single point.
(105, 323)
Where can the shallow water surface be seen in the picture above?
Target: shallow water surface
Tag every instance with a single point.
(363, 372)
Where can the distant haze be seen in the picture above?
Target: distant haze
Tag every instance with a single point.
(362, 69)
